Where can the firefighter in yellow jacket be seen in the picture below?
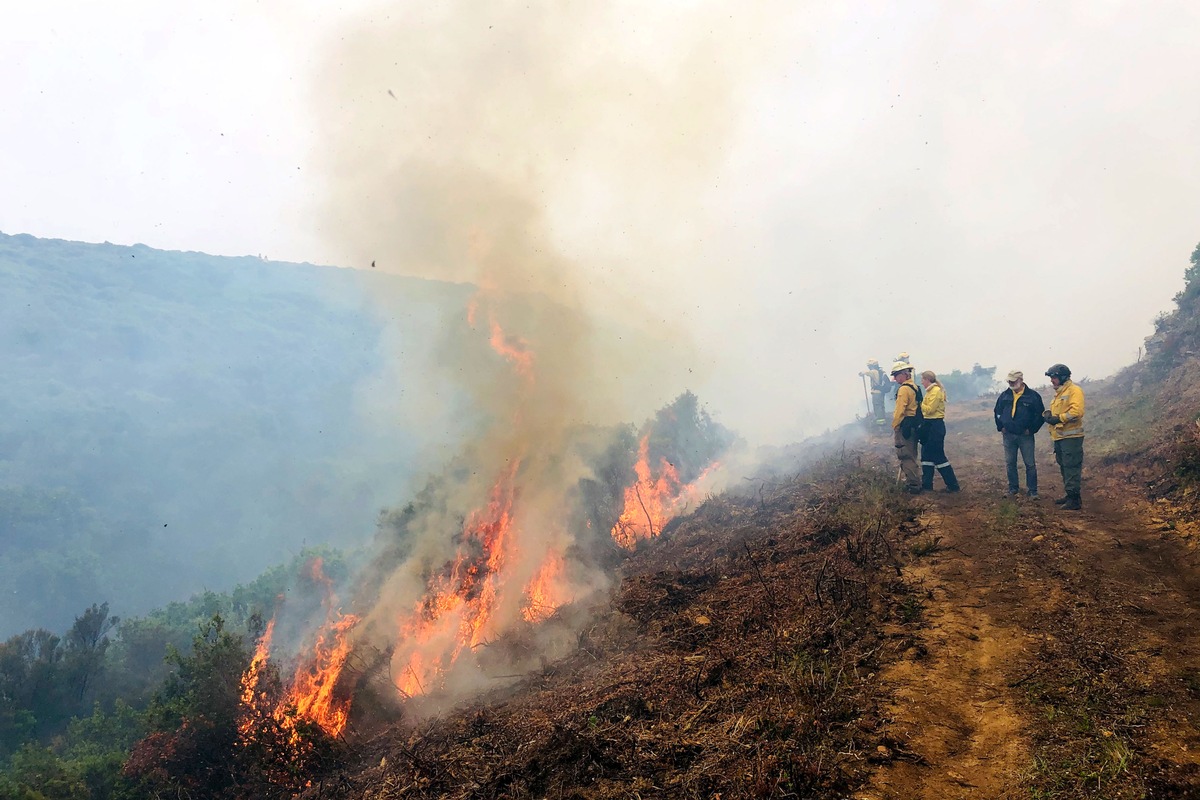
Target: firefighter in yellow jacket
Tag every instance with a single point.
(906, 424)
(933, 434)
(1065, 418)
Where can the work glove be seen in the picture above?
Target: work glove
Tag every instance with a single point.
(1049, 417)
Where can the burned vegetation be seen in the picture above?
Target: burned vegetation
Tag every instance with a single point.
(734, 652)
(736, 656)
(731, 648)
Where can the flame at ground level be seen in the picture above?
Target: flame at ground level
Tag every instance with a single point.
(653, 501)
(312, 694)
(313, 690)
(499, 576)
(251, 698)
(547, 591)
(455, 614)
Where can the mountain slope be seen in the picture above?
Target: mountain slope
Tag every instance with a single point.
(767, 647)
(172, 421)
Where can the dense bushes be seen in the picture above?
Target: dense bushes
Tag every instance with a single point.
(73, 707)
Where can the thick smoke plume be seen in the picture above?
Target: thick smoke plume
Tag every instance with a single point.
(534, 152)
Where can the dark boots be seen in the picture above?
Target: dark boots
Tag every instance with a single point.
(947, 473)
(1074, 503)
(927, 477)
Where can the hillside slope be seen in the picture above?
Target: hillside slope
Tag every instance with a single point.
(768, 647)
(173, 421)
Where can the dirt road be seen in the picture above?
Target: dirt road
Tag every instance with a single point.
(1058, 655)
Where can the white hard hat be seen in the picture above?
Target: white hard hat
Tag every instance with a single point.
(900, 366)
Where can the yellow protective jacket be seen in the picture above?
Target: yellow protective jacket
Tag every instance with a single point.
(906, 403)
(1067, 405)
(934, 404)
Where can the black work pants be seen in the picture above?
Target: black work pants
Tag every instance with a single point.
(933, 443)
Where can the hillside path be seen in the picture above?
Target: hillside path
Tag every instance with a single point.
(1057, 655)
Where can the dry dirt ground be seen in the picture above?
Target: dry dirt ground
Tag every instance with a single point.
(1058, 655)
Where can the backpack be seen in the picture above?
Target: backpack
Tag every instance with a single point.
(911, 425)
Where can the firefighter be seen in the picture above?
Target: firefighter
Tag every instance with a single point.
(879, 381)
(1065, 417)
(933, 435)
(906, 424)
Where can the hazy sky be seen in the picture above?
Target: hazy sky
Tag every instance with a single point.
(1012, 183)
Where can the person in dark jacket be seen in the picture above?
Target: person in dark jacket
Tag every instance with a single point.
(1018, 418)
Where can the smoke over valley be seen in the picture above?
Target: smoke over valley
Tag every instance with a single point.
(538, 156)
(518, 442)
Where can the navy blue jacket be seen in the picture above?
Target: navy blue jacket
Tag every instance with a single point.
(1028, 418)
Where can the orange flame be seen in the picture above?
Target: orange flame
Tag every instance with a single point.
(515, 349)
(545, 593)
(312, 691)
(651, 502)
(455, 612)
(250, 680)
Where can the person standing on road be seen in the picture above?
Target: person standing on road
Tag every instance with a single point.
(1018, 418)
(933, 435)
(906, 424)
(1065, 416)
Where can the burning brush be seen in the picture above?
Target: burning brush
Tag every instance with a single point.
(558, 507)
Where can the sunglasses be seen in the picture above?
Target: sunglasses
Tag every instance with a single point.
(1012, 383)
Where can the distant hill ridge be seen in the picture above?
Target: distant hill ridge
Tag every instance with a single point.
(174, 420)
